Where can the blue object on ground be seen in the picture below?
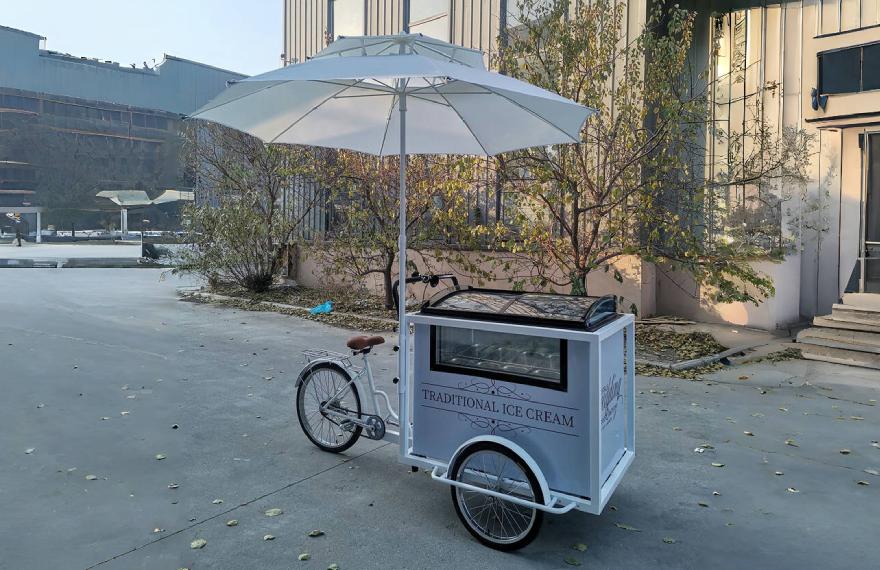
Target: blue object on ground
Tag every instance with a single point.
(324, 307)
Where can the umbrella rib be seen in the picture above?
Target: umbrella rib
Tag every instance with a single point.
(534, 114)
(353, 48)
(310, 111)
(387, 124)
(217, 106)
(451, 106)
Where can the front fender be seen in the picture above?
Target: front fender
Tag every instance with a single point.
(515, 448)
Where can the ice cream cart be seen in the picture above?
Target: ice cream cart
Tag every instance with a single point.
(521, 402)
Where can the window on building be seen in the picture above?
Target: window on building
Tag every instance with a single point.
(840, 71)
(871, 61)
(430, 17)
(849, 70)
(348, 18)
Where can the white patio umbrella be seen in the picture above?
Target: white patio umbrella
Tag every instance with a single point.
(358, 93)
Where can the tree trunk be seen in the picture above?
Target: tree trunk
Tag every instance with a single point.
(387, 284)
(579, 283)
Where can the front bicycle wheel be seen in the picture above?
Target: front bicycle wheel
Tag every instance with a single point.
(325, 399)
(495, 522)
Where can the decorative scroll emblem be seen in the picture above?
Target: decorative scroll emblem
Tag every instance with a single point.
(610, 398)
(492, 388)
(493, 426)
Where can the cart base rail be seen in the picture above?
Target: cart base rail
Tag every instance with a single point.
(442, 475)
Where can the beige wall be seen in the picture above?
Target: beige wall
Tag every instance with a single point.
(636, 288)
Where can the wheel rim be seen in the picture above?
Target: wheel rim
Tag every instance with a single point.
(319, 387)
(496, 520)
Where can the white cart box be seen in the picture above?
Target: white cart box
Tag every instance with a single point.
(552, 374)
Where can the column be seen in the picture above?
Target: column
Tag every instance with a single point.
(39, 227)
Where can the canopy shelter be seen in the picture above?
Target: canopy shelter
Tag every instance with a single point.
(358, 93)
(131, 198)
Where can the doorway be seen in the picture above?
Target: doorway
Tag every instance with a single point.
(870, 281)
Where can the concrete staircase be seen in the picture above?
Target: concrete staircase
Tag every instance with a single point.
(849, 335)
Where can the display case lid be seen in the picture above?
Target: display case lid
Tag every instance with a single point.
(536, 309)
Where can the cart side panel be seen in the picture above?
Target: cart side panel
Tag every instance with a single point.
(613, 405)
(551, 425)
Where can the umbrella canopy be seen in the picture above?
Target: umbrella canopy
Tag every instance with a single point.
(344, 99)
(357, 94)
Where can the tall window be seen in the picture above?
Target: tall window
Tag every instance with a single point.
(430, 17)
(348, 18)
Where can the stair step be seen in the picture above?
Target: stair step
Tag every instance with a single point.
(838, 338)
(841, 356)
(828, 321)
(856, 314)
(862, 300)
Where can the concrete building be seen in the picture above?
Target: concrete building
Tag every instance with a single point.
(71, 126)
(812, 64)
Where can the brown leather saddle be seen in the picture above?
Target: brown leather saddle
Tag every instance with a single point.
(363, 343)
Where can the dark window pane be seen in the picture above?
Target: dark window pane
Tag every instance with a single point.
(871, 67)
(840, 71)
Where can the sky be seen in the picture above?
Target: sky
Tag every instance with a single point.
(239, 35)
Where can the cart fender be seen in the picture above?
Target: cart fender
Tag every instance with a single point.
(532, 464)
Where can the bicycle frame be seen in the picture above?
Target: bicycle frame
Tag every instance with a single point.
(357, 377)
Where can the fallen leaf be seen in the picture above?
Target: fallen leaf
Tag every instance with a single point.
(157, 530)
(748, 433)
(857, 418)
(876, 444)
(676, 429)
(29, 450)
(217, 501)
(792, 490)
(572, 561)
(580, 547)
(862, 483)
(91, 477)
(783, 409)
(104, 418)
(159, 457)
(316, 533)
(743, 377)
(668, 540)
(303, 557)
(627, 527)
(717, 465)
(716, 493)
(173, 486)
(273, 512)
(845, 451)
(124, 413)
(232, 522)
(269, 537)
(333, 567)
(779, 473)
(791, 442)
(198, 543)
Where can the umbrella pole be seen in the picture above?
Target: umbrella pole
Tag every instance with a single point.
(403, 331)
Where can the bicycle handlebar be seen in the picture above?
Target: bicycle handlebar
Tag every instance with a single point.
(416, 277)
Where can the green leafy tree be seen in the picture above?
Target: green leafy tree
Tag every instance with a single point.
(637, 183)
(364, 191)
(250, 206)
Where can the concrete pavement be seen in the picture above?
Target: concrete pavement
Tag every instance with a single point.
(81, 345)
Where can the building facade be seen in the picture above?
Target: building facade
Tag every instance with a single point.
(811, 65)
(71, 126)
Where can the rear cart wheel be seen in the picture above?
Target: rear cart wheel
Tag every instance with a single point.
(329, 386)
(495, 522)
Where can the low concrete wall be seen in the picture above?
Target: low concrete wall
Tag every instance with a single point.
(636, 287)
(678, 294)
